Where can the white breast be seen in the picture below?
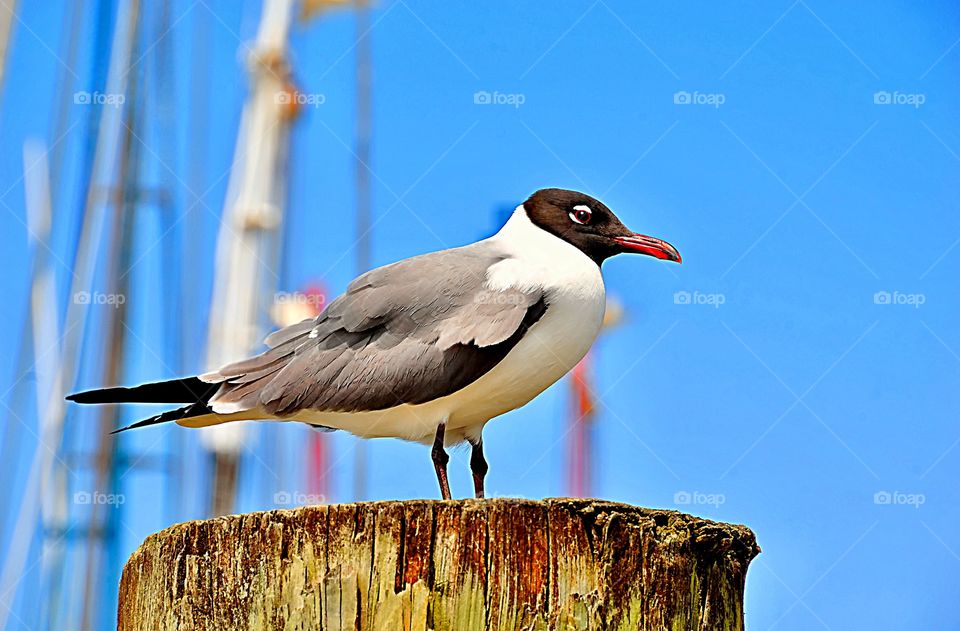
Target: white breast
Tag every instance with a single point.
(573, 289)
(575, 296)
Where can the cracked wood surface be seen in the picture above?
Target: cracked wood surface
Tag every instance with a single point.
(456, 565)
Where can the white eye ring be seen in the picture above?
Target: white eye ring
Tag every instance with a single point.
(580, 214)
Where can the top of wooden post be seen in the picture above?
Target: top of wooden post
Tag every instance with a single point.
(469, 564)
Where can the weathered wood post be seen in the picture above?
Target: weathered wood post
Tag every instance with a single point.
(460, 565)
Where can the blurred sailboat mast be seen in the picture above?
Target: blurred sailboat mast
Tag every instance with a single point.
(7, 11)
(124, 202)
(244, 282)
(57, 361)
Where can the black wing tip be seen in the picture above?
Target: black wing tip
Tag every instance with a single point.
(153, 420)
(188, 411)
(137, 425)
(172, 415)
(102, 395)
(82, 397)
(145, 423)
(183, 390)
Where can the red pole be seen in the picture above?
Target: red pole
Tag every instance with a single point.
(317, 463)
(580, 448)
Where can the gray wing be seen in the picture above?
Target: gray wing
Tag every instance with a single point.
(409, 332)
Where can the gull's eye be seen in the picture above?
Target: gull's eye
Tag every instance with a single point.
(581, 215)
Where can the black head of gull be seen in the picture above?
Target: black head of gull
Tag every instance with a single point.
(589, 225)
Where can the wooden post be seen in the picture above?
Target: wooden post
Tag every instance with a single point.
(460, 565)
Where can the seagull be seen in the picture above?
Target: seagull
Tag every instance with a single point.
(430, 348)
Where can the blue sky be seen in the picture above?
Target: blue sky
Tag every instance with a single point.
(799, 368)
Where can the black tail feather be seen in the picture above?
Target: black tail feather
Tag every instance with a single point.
(195, 409)
(187, 390)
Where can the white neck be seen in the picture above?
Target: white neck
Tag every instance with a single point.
(539, 257)
(529, 241)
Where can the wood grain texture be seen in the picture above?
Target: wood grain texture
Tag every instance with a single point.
(460, 565)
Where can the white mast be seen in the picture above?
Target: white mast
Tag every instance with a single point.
(244, 279)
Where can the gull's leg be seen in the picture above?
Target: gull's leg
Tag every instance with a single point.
(478, 465)
(440, 459)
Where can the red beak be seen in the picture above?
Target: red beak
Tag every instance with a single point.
(642, 244)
